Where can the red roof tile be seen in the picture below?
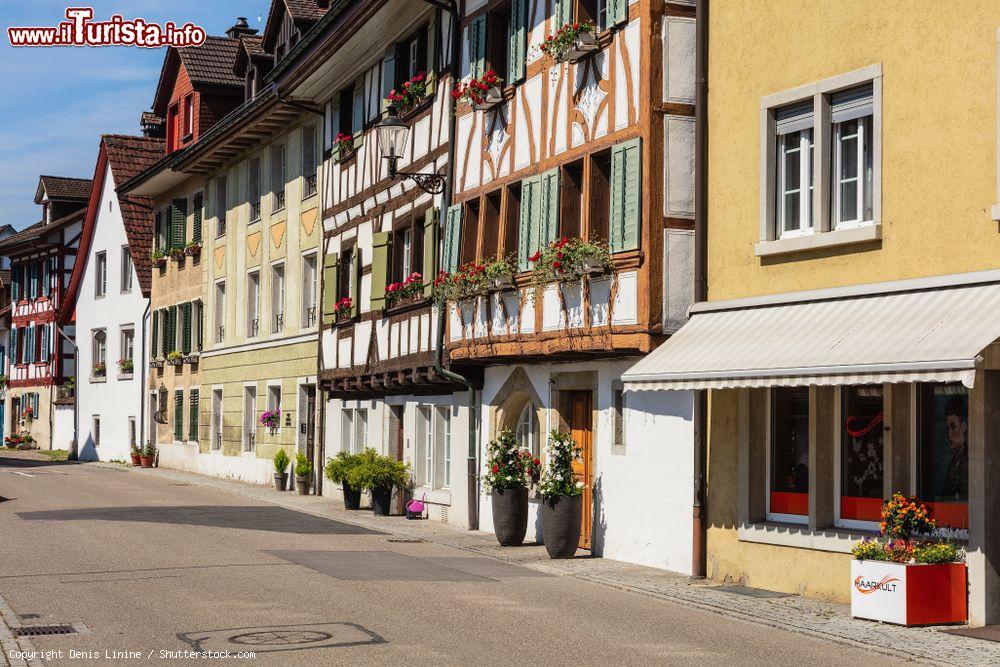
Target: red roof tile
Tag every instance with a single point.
(63, 188)
(212, 62)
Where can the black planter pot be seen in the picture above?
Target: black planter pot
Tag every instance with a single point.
(352, 498)
(381, 501)
(280, 480)
(302, 484)
(510, 516)
(561, 525)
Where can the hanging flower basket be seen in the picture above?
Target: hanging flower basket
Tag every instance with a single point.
(271, 420)
(500, 275)
(482, 93)
(571, 42)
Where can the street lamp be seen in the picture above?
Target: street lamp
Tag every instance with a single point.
(392, 136)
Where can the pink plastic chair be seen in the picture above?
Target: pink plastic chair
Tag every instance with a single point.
(415, 508)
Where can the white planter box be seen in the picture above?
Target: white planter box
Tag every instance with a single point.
(908, 594)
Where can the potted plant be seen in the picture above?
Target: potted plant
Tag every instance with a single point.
(177, 254)
(410, 287)
(303, 473)
(192, 249)
(135, 451)
(469, 282)
(571, 42)
(569, 259)
(342, 309)
(175, 358)
(126, 366)
(271, 419)
(482, 93)
(410, 94)
(281, 461)
(25, 442)
(508, 471)
(379, 475)
(158, 259)
(147, 455)
(910, 575)
(343, 144)
(99, 370)
(500, 274)
(562, 505)
(338, 470)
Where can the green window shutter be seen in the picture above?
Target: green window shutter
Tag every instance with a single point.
(186, 333)
(193, 416)
(154, 343)
(172, 328)
(178, 414)
(355, 282)
(564, 13)
(430, 250)
(617, 12)
(45, 343)
(626, 195)
(330, 267)
(452, 235)
(358, 112)
(527, 235)
(388, 73)
(198, 203)
(549, 207)
(14, 359)
(381, 244)
(518, 30)
(477, 46)
(199, 324)
(178, 224)
(165, 331)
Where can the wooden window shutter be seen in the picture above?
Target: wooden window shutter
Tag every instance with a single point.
(198, 204)
(358, 112)
(617, 12)
(199, 323)
(564, 13)
(14, 358)
(355, 282)
(626, 195)
(433, 41)
(381, 245)
(527, 236)
(430, 250)
(452, 232)
(477, 46)
(330, 267)
(193, 417)
(549, 207)
(178, 224)
(45, 343)
(388, 74)
(178, 414)
(172, 328)
(154, 343)
(186, 333)
(518, 31)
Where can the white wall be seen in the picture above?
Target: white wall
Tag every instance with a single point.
(62, 427)
(114, 400)
(642, 495)
(246, 467)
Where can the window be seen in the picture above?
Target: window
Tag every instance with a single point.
(197, 323)
(595, 11)
(131, 432)
(853, 174)
(618, 408)
(172, 128)
(795, 170)
(100, 275)
(253, 304)
(402, 253)
(193, 415)
(511, 221)
(216, 419)
(789, 455)
(178, 414)
(310, 160)
(126, 270)
(600, 189)
(96, 430)
(347, 430)
(309, 291)
(249, 418)
(220, 311)
(277, 298)
(278, 177)
(571, 200)
(425, 447)
(274, 399)
(527, 432)
(221, 205)
(188, 116)
(862, 454)
(127, 350)
(442, 448)
(360, 430)
(468, 235)
(943, 452)
(99, 349)
(354, 429)
(498, 41)
(491, 225)
(345, 281)
(254, 188)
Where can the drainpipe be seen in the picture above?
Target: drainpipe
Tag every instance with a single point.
(700, 406)
(455, 27)
(142, 379)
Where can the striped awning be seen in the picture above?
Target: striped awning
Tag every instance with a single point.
(910, 331)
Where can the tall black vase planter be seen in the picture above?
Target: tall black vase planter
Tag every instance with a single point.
(381, 501)
(561, 519)
(510, 516)
(352, 498)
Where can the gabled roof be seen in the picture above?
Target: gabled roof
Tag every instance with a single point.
(62, 188)
(304, 13)
(250, 50)
(209, 65)
(26, 237)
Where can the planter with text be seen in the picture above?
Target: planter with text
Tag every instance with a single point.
(509, 471)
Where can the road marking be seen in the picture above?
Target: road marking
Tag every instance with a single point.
(22, 474)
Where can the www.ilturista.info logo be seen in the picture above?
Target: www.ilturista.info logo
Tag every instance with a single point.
(867, 586)
(81, 30)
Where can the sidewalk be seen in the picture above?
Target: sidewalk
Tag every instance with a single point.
(824, 620)
(11, 645)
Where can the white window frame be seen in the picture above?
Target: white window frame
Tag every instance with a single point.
(777, 517)
(95, 429)
(310, 289)
(126, 270)
(360, 429)
(442, 428)
(347, 430)
(218, 420)
(862, 135)
(804, 148)
(249, 420)
(253, 303)
(534, 445)
(277, 296)
(100, 274)
(95, 356)
(422, 455)
(221, 205)
(219, 314)
(127, 334)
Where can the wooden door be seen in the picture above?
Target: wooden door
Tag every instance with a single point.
(581, 428)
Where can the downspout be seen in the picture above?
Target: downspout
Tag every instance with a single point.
(455, 26)
(700, 405)
(142, 380)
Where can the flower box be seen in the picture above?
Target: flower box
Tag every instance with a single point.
(176, 361)
(585, 44)
(177, 255)
(191, 358)
(591, 266)
(909, 594)
(159, 262)
(193, 250)
(493, 97)
(156, 363)
(501, 283)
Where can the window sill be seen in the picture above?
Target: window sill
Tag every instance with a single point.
(837, 540)
(834, 238)
(434, 496)
(307, 196)
(125, 376)
(95, 379)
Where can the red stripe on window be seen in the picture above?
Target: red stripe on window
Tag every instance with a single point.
(950, 515)
(789, 503)
(860, 509)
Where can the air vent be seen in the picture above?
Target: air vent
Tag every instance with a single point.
(752, 592)
(44, 630)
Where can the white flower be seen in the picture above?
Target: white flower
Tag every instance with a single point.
(579, 485)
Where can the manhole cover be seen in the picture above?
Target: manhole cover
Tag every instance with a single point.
(404, 540)
(289, 637)
(752, 592)
(44, 630)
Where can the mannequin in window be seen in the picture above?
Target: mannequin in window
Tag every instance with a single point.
(955, 485)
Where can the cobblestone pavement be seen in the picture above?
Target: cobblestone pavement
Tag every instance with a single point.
(12, 646)
(816, 618)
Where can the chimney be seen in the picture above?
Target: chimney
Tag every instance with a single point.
(241, 28)
(152, 125)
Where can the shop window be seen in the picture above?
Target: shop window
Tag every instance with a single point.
(511, 220)
(862, 454)
(943, 452)
(470, 225)
(571, 195)
(600, 197)
(491, 225)
(788, 498)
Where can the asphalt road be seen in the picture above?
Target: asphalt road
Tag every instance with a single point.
(144, 565)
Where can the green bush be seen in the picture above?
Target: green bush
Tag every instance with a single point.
(281, 461)
(937, 552)
(378, 472)
(339, 467)
(303, 466)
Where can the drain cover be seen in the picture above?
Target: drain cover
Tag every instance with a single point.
(44, 630)
(404, 540)
(752, 592)
(280, 637)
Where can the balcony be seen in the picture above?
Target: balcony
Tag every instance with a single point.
(278, 323)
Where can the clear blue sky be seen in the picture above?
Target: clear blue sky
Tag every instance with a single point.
(56, 102)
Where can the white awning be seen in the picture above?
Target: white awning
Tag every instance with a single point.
(901, 333)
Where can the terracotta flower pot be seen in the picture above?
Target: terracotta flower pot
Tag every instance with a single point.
(146, 461)
(135, 459)
(302, 484)
(510, 516)
(280, 480)
(381, 501)
(352, 498)
(561, 520)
